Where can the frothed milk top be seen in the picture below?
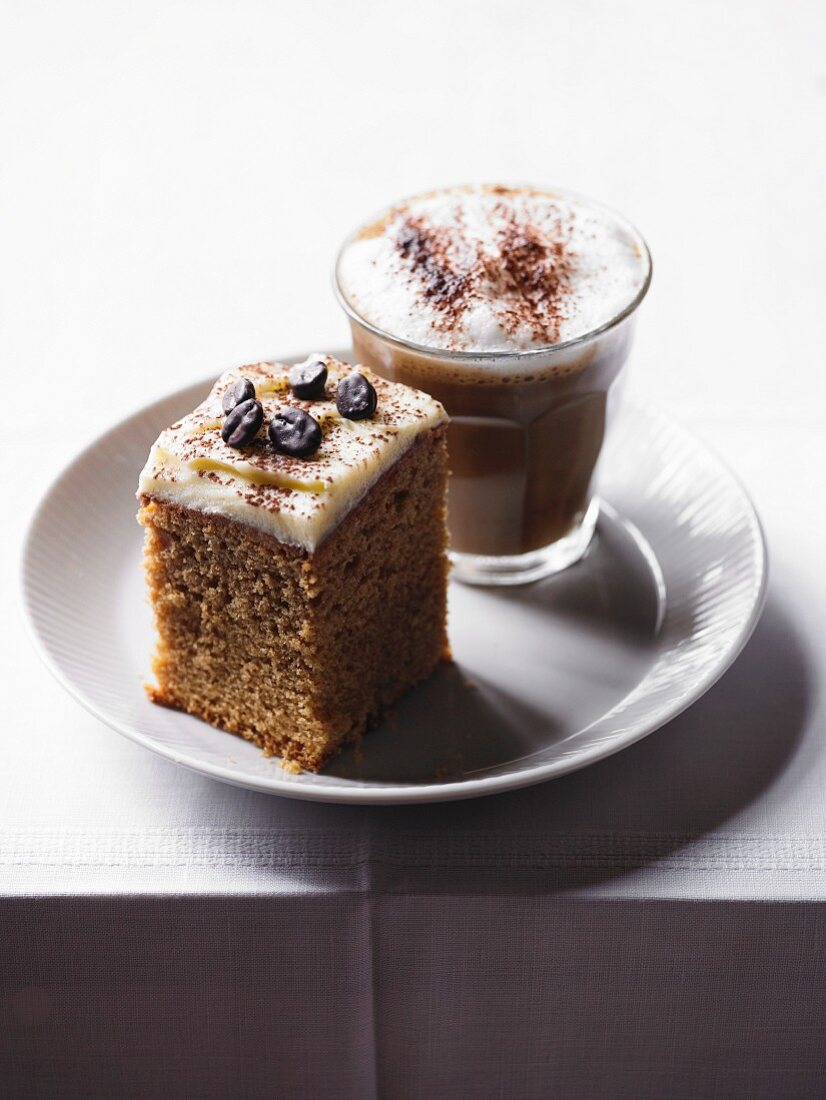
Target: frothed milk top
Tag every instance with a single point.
(489, 268)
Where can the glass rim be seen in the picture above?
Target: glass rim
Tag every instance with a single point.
(476, 356)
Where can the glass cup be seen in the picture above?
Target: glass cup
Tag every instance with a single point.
(525, 435)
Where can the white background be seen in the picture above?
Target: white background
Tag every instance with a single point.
(176, 178)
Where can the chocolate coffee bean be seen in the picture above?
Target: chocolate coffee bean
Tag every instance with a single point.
(242, 423)
(294, 432)
(242, 390)
(355, 397)
(307, 379)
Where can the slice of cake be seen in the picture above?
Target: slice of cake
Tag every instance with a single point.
(296, 553)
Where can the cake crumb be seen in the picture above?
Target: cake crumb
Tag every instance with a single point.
(452, 770)
(291, 767)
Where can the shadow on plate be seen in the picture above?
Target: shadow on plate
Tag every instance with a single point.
(618, 582)
(453, 724)
(645, 802)
(653, 798)
(584, 638)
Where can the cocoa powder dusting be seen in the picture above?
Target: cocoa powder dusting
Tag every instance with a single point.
(428, 250)
(529, 276)
(535, 272)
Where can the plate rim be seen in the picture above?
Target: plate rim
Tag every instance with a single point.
(290, 786)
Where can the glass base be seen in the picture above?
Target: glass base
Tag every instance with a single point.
(525, 568)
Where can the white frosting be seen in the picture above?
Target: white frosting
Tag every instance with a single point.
(299, 500)
(603, 263)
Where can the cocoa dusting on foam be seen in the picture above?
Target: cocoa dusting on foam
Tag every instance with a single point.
(529, 271)
(535, 274)
(492, 268)
(431, 253)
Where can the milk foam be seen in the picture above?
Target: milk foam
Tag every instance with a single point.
(511, 269)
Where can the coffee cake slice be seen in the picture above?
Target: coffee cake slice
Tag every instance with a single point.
(297, 595)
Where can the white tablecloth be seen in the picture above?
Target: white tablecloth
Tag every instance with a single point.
(175, 181)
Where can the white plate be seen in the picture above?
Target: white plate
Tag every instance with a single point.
(548, 678)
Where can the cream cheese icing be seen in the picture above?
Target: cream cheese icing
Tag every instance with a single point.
(299, 500)
(489, 268)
